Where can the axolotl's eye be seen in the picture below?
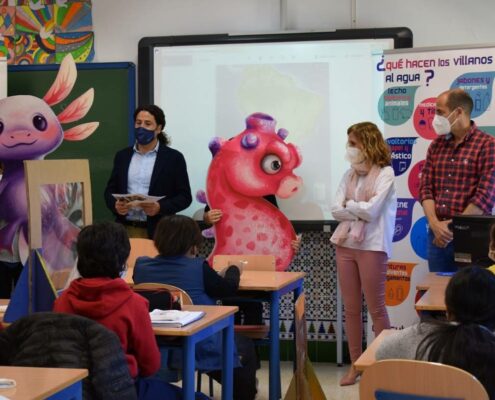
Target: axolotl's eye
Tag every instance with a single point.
(271, 164)
(1, 127)
(39, 122)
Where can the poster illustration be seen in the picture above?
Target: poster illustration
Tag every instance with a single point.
(412, 81)
(255, 163)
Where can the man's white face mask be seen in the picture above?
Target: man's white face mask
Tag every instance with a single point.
(442, 125)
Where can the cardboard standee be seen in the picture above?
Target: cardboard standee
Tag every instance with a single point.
(37, 286)
(304, 384)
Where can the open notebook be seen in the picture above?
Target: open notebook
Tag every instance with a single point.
(175, 318)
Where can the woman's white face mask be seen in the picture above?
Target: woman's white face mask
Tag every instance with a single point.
(353, 155)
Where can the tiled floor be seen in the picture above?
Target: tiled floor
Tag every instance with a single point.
(328, 374)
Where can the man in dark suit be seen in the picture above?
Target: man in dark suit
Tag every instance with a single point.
(151, 168)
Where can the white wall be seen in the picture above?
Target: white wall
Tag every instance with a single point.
(119, 24)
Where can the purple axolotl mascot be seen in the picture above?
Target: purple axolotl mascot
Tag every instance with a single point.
(29, 130)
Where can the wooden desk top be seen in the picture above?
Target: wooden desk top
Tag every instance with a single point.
(39, 383)
(432, 300)
(432, 279)
(368, 357)
(213, 314)
(268, 281)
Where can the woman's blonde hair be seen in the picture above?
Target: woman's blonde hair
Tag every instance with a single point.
(375, 149)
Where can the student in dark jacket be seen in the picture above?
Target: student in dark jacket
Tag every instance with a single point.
(101, 295)
(56, 340)
(177, 239)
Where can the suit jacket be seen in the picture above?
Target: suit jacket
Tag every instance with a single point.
(169, 178)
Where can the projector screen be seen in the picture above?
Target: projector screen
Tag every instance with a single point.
(314, 89)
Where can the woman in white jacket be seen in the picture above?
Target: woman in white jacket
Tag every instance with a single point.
(365, 205)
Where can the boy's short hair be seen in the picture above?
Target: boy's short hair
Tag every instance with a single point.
(176, 234)
(102, 250)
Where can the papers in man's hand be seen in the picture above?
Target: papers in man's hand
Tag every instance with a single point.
(174, 318)
(135, 200)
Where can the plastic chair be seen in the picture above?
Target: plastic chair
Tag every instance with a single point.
(415, 380)
(185, 299)
(139, 248)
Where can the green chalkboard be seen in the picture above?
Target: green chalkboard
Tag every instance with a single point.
(113, 107)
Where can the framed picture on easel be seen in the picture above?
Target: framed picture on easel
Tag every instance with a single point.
(59, 205)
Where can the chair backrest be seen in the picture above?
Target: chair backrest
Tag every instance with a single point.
(389, 379)
(59, 340)
(254, 262)
(139, 247)
(185, 299)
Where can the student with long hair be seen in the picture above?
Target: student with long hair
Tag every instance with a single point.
(365, 206)
(465, 340)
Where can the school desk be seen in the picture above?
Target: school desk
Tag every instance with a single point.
(433, 298)
(432, 279)
(369, 355)
(43, 383)
(275, 284)
(216, 318)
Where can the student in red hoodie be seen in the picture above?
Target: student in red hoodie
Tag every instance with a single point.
(100, 294)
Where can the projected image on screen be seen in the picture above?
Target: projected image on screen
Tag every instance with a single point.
(314, 89)
(294, 93)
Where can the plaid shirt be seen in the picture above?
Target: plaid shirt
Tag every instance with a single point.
(454, 176)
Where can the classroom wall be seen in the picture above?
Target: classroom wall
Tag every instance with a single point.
(119, 24)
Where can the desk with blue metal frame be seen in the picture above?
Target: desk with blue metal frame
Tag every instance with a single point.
(44, 383)
(432, 288)
(216, 318)
(275, 284)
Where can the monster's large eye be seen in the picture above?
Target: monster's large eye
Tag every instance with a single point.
(39, 122)
(1, 127)
(271, 164)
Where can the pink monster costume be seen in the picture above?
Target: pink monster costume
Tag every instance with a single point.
(255, 163)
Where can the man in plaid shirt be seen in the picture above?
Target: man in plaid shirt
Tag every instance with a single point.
(458, 176)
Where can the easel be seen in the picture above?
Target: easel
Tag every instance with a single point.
(304, 384)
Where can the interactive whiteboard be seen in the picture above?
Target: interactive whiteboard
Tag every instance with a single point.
(314, 88)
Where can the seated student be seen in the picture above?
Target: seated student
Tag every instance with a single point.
(177, 239)
(466, 340)
(100, 294)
